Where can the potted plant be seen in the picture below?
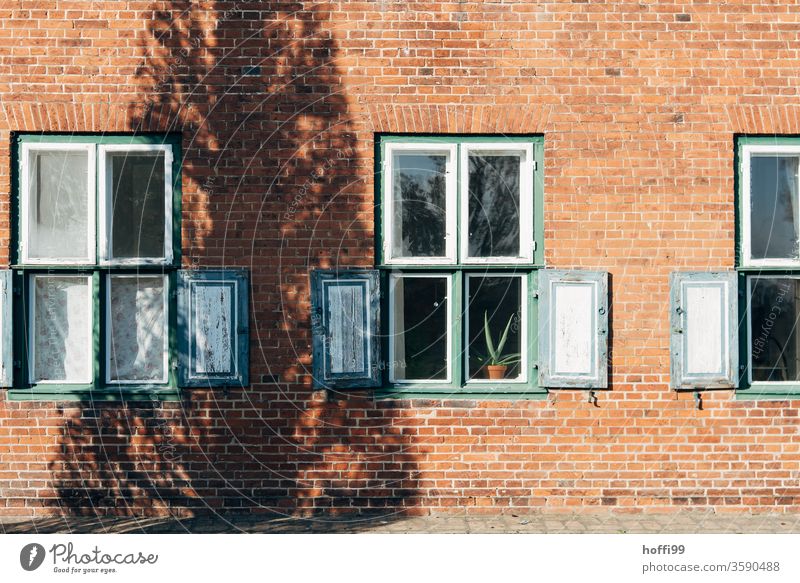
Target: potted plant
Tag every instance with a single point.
(496, 363)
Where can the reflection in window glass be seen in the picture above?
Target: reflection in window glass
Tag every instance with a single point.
(137, 205)
(496, 300)
(494, 199)
(419, 198)
(773, 207)
(137, 329)
(420, 329)
(774, 348)
(58, 205)
(62, 328)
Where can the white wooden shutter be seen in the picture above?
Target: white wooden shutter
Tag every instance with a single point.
(345, 328)
(573, 329)
(704, 330)
(213, 328)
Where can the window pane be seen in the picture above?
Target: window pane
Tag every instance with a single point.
(496, 300)
(137, 327)
(774, 350)
(494, 198)
(58, 205)
(138, 204)
(773, 207)
(421, 330)
(62, 329)
(419, 199)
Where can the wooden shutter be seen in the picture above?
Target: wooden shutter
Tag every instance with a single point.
(345, 326)
(704, 330)
(213, 328)
(573, 329)
(6, 328)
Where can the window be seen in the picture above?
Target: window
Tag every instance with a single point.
(769, 263)
(461, 225)
(96, 262)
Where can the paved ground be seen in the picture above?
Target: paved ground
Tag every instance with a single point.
(685, 522)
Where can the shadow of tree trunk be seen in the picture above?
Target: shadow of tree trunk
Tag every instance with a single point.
(274, 180)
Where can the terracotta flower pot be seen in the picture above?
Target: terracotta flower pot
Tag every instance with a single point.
(496, 371)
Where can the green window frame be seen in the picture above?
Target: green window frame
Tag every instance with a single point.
(457, 268)
(755, 261)
(98, 266)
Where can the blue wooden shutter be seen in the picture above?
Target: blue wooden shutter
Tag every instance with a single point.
(573, 329)
(6, 329)
(213, 328)
(704, 348)
(345, 324)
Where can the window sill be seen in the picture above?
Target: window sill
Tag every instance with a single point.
(458, 267)
(485, 393)
(82, 393)
(769, 392)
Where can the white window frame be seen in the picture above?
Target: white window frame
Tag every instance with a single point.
(29, 150)
(451, 219)
(32, 326)
(747, 153)
(526, 167)
(393, 278)
(106, 191)
(524, 324)
(107, 331)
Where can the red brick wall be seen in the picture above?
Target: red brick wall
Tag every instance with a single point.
(639, 103)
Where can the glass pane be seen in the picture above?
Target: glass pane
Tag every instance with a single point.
(495, 300)
(62, 329)
(421, 331)
(419, 198)
(494, 196)
(774, 349)
(773, 207)
(137, 327)
(58, 205)
(138, 204)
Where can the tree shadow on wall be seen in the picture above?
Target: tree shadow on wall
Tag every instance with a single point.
(271, 177)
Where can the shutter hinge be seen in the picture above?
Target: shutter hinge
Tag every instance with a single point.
(17, 364)
(17, 290)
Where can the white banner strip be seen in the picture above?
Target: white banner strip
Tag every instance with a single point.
(382, 558)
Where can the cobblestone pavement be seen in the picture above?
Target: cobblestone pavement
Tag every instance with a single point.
(684, 522)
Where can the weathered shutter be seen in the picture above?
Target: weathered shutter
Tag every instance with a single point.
(704, 331)
(573, 329)
(213, 328)
(6, 329)
(345, 323)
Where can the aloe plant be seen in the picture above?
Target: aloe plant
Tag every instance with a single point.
(496, 356)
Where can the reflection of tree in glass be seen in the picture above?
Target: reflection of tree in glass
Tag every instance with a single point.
(59, 213)
(420, 205)
(494, 206)
(774, 192)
